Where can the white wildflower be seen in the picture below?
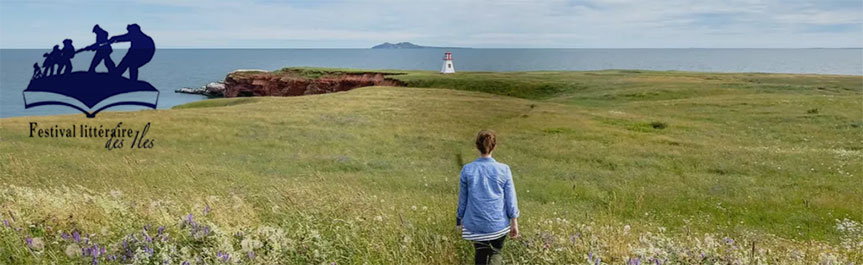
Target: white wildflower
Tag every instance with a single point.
(73, 250)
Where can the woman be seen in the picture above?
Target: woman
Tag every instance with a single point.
(487, 206)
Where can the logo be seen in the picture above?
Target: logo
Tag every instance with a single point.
(54, 83)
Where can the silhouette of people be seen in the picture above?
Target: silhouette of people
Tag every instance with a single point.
(37, 72)
(65, 57)
(51, 61)
(140, 52)
(102, 48)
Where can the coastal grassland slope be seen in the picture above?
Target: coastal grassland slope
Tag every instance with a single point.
(609, 165)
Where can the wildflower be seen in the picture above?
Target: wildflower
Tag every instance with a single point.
(251, 255)
(206, 209)
(6, 222)
(161, 230)
(76, 236)
(35, 243)
(425, 208)
(72, 250)
(413, 207)
(626, 229)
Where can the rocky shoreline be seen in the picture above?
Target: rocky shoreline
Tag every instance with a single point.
(213, 90)
(289, 82)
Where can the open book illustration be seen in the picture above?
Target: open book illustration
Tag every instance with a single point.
(90, 92)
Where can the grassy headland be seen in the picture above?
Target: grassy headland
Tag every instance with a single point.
(679, 167)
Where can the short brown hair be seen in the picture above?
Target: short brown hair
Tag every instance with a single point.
(485, 141)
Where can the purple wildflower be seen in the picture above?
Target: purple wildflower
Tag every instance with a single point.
(29, 242)
(190, 218)
(76, 236)
(184, 263)
(6, 222)
(161, 230)
(206, 209)
(95, 261)
(251, 254)
(112, 258)
(597, 261)
(66, 236)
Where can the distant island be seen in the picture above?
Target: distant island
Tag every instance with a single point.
(408, 45)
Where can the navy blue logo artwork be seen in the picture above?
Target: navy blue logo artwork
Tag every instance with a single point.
(54, 83)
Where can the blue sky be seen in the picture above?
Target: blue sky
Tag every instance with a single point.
(472, 23)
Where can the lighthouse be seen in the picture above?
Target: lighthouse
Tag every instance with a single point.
(447, 67)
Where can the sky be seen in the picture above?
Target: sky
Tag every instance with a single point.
(464, 23)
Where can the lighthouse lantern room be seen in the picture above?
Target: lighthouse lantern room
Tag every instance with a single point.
(447, 67)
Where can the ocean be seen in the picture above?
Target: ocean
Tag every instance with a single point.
(175, 68)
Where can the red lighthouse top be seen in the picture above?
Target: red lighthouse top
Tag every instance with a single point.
(447, 56)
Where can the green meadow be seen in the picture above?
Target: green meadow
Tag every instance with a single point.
(610, 167)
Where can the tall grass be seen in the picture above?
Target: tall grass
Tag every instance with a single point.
(675, 168)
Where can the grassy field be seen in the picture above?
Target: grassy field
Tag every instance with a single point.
(610, 167)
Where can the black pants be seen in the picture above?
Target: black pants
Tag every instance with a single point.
(489, 252)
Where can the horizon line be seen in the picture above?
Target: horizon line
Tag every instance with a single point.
(444, 48)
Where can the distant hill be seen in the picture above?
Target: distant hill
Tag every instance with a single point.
(407, 45)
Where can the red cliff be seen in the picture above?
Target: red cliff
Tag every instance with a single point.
(290, 82)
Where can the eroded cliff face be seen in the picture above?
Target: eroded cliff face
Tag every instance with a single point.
(287, 83)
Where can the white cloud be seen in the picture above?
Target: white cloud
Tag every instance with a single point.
(479, 23)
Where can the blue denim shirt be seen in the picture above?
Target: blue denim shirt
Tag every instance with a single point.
(486, 196)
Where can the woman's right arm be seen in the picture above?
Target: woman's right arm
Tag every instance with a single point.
(513, 228)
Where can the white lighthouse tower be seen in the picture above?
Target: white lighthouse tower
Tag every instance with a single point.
(447, 67)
